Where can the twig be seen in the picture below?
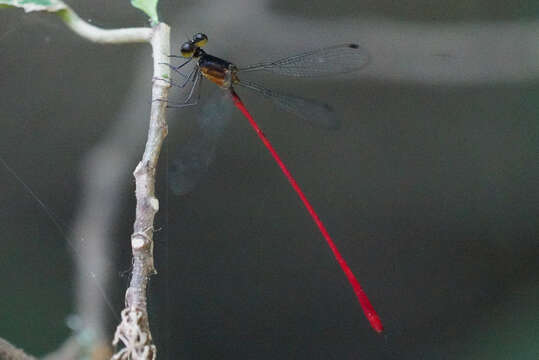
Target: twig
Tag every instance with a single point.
(10, 352)
(134, 331)
(80, 346)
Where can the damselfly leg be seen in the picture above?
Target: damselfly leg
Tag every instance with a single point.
(194, 79)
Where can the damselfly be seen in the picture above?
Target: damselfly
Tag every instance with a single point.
(331, 60)
(325, 61)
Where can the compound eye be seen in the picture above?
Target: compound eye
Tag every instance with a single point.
(187, 49)
(200, 39)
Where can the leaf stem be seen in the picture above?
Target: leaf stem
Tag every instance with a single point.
(103, 36)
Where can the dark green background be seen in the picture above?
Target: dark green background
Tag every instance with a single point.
(430, 191)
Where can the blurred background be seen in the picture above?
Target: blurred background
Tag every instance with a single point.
(429, 187)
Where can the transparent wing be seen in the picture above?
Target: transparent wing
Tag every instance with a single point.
(194, 158)
(326, 61)
(190, 165)
(316, 113)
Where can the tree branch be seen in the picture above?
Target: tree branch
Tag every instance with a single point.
(134, 329)
(10, 352)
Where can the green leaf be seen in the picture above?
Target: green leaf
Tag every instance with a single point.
(149, 7)
(35, 5)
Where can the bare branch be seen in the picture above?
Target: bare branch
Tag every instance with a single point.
(79, 347)
(10, 352)
(134, 331)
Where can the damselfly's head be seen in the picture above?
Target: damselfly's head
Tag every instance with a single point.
(192, 48)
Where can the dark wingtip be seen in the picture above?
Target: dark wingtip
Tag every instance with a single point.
(353, 46)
